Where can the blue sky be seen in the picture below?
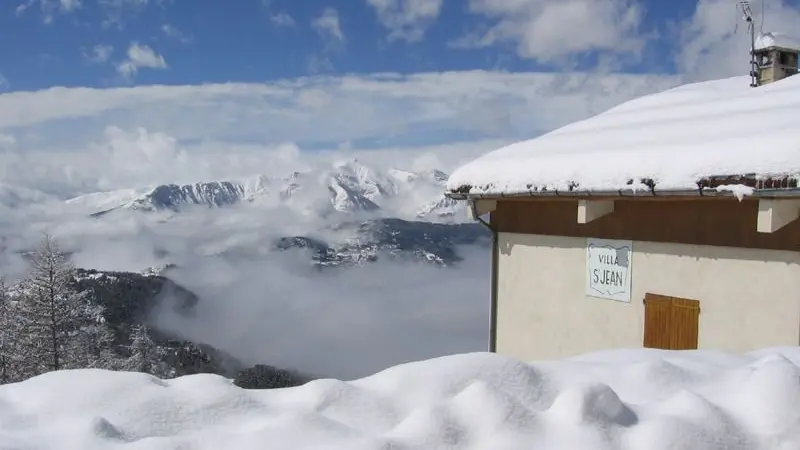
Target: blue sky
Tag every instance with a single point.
(48, 42)
(110, 94)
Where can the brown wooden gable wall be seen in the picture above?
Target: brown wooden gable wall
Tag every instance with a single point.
(719, 222)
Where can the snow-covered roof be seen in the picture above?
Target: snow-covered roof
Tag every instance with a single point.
(674, 138)
(776, 39)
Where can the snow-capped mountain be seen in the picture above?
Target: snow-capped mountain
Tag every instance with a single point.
(164, 197)
(172, 196)
(346, 186)
(105, 200)
(444, 207)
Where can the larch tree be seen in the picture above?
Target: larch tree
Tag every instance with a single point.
(90, 340)
(58, 324)
(145, 355)
(7, 335)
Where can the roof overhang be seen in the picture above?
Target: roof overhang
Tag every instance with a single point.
(708, 187)
(626, 194)
(777, 207)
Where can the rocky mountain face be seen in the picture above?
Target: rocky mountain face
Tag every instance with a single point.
(425, 242)
(128, 299)
(349, 186)
(172, 196)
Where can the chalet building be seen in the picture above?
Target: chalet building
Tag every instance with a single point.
(670, 221)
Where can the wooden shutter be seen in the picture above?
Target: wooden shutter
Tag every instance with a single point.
(671, 323)
(656, 321)
(684, 323)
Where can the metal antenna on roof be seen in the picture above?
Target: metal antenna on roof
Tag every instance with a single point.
(747, 12)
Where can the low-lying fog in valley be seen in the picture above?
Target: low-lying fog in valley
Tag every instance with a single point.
(338, 271)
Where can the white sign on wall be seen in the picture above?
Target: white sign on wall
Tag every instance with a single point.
(608, 269)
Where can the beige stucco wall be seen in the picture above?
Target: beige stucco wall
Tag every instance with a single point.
(748, 298)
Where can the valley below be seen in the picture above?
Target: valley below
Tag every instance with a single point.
(236, 277)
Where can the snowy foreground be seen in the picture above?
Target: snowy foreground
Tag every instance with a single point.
(636, 399)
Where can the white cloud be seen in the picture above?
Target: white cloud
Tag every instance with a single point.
(50, 7)
(426, 161)
(555, 31)
(281, 19)
(70, 5)
(99, 53)
(116, 10)
(7, 140)
(332, 109)
(406, 19)
(319, 63)
(113, 11)
(140, 56)
(290, 316)
(4, 84)
(707, 46)
(173, 32)
(328, 26)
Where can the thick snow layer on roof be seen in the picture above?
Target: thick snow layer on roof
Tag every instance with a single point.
(621, 399)
(675, 138)
(776, 39)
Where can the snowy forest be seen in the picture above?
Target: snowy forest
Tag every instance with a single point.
(48, 323)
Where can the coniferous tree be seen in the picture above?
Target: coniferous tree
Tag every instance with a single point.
(12, 357)
(145, 355)
(7, 335)
(56, 320)
(91, 341)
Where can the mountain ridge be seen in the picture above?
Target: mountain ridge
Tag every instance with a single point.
(343, 187)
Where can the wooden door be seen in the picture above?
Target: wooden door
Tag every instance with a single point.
(671, 323)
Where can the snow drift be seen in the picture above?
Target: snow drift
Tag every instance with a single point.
(625, 399)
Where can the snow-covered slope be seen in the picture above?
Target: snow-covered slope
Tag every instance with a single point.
(105, 200)
(675, 138)
(633, 399)
(346, 186)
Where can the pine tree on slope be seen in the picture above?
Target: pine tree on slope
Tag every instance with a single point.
(146, 355)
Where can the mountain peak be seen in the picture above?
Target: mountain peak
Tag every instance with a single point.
(173, 196)
(347, 186)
